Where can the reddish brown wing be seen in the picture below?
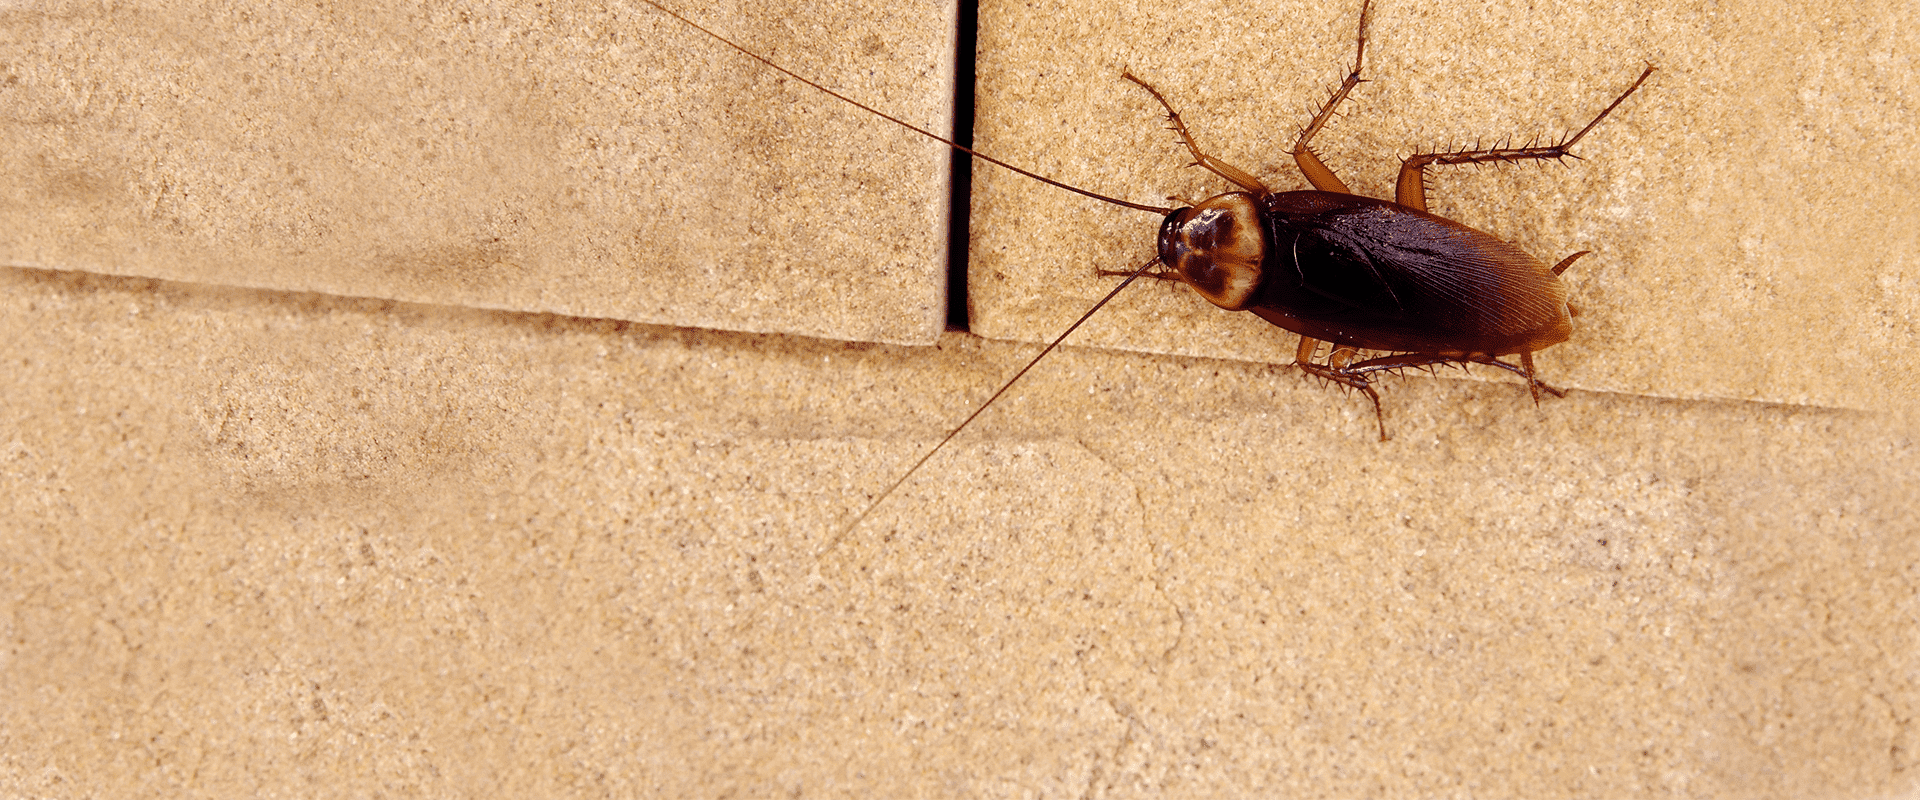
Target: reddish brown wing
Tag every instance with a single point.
(1380, 276)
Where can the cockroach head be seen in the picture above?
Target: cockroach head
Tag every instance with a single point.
(1217, 248)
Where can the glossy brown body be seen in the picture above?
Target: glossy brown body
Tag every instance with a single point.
(1376, 275)
(1362, 273)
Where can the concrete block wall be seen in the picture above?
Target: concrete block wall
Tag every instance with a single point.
(474, 400)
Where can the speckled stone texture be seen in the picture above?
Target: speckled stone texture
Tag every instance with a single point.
(260, 538)
(586, 159)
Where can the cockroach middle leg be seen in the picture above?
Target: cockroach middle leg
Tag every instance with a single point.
(1410, 189)
(1337, 370)
(1310, 164)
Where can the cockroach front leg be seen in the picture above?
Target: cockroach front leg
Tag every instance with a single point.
(1233, 174)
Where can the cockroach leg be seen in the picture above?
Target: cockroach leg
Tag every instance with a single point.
(1410, 189)
(1341, 368)
(1233, 174)
(1351, 381)
(1415, 360)
(1316, 171)
(1338, 370)
(1303, 355)
(1525, 370)
(1533, 383)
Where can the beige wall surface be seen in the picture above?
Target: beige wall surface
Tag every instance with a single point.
(579, 158)
(288, 507)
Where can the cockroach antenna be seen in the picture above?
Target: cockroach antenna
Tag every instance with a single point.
(884, 493)
(976, 154)
(900, 122)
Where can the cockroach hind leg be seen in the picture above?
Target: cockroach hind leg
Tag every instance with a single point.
(1524, 370)
(1379, 416)
(1406, 360)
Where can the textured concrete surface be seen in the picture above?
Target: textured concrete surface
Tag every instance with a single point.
(572, 158)
(264, 542)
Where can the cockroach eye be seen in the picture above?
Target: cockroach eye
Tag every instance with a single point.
(1217, 248)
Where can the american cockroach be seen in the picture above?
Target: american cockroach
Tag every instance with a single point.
(1342, 270)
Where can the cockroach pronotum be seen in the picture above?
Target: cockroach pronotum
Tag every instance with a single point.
(1352, 272)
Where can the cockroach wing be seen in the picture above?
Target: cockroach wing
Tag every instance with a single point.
(1377, 275)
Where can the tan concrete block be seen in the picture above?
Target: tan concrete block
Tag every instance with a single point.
(258, 543)
(598, 161)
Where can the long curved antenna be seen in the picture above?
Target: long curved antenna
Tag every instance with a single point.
(902, 123)
(978, 411)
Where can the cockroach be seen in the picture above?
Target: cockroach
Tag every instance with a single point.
(1346, 271)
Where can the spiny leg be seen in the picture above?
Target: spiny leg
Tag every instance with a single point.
(1417, 360)
(1303, 358)
(1342, 368)
(1411, 188)
(1317, 172)
(1233, 174)
(1525, 370)
(1533, 383)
